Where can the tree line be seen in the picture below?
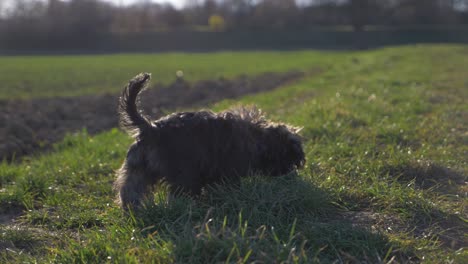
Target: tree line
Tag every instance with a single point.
(56, 20)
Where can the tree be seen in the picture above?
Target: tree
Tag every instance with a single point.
(97, 14)
(359, 13)
(173, 18)
(275, 14)
(237, 12)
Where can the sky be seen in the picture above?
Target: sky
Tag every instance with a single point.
(5, 5)
(176, 3)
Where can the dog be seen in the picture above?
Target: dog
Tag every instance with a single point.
(191, 150)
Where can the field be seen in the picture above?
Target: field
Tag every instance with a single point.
(32, 77)
(386, 137)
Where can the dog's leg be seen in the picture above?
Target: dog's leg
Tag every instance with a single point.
(132, 187)
(135, 180)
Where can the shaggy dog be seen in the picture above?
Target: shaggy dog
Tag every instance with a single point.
(191, 150)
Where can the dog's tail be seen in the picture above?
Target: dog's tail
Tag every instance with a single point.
(130, 119)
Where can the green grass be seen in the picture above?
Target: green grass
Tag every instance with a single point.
(47, 76)
(386, 143)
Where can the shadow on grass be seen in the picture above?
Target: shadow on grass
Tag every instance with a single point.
(271, 220)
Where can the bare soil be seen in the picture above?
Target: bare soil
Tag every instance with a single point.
(28, 126)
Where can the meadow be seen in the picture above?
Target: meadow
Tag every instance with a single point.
(51, 76)
(385, 134)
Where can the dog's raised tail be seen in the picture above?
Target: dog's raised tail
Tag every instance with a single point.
(129, 118)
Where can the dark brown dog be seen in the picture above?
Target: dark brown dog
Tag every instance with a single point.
(191, 150)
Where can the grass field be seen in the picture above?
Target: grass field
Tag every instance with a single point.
(386, 137)
(31, 77)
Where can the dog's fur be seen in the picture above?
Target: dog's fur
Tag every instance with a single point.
(190, 150)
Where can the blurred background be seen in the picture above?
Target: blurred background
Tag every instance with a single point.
(101, 26)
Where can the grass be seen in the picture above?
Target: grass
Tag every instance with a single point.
(48, 76)
(386, 143)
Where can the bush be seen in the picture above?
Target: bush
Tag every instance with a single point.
(216, 23)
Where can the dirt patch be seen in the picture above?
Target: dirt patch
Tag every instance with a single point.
(445, 229)
(20, 239)
(27, 126)
(376, 222)
(9, 217)
(428, 175)
(448, 230)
